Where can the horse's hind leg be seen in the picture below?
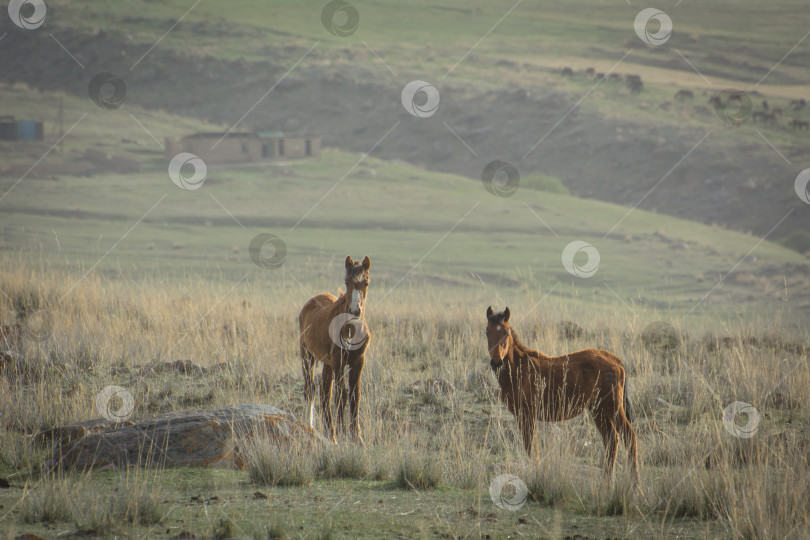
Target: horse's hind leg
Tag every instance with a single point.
(610, 440)
(629, 437)
(623, 414)
(308, 368)
(326, 405)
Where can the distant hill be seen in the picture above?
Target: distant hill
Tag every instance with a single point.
(503, 98)
(428, 233)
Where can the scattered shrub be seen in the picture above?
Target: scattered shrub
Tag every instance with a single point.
(544, 182)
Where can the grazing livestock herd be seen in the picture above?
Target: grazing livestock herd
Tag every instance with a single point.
(533, 386)
(767, 115)
(633, 82)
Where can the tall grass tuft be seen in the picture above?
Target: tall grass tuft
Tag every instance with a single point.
(53, 501)
(286, 464)
(342, 462)
(549, 485)
(418, 471)
(81, 500)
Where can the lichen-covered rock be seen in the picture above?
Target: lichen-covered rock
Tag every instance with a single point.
(214, 437)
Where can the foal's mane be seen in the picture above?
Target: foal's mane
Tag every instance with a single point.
(519, 349)
(522, 351)
(340, 303)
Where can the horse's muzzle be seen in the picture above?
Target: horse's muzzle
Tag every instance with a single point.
(355, 312)
(496, 364)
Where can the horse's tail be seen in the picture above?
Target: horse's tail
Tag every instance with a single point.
(628, 409)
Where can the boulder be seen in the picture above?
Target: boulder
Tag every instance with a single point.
(215, 437)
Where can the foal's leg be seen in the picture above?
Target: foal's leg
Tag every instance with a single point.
(610, 440)
(326, 405)
(524, 410)
(341, 395)
(307, 366)
(629, 438)
(355, 372)
(526, 421)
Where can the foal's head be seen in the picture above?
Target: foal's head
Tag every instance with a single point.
(499, 337)
(357, 284)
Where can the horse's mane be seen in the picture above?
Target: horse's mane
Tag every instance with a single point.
(341, 301)
(522, 351)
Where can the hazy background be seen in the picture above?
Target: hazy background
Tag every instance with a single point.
(406, 190)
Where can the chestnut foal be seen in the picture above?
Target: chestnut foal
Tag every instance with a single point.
(553, 389)
(334, 332)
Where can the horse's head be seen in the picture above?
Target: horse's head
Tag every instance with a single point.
(357, 284)
(499, 337)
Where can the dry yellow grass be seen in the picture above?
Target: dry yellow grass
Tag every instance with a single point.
(430, 412)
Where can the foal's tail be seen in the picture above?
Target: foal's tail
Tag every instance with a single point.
(628, 409)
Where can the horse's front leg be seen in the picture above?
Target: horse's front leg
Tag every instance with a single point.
(527, 424)
(525, 412)
(308, 368)
(326, 402)
(341, 394)
(355, 372)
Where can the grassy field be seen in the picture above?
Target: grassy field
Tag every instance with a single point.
(435, 433)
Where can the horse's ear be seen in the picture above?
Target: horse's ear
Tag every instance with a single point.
(506, 315)
(340, 293)
(366, 263)
(349, 262)
(489, 312)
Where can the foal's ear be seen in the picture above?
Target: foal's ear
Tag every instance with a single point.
(506, 314)
(489, 312)
(366, 263)
(349, 262)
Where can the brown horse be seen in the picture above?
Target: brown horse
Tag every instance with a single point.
(553, 389)
(334, 332)
(800, 124)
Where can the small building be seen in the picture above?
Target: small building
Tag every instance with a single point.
(242, 147)
(20, 130)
